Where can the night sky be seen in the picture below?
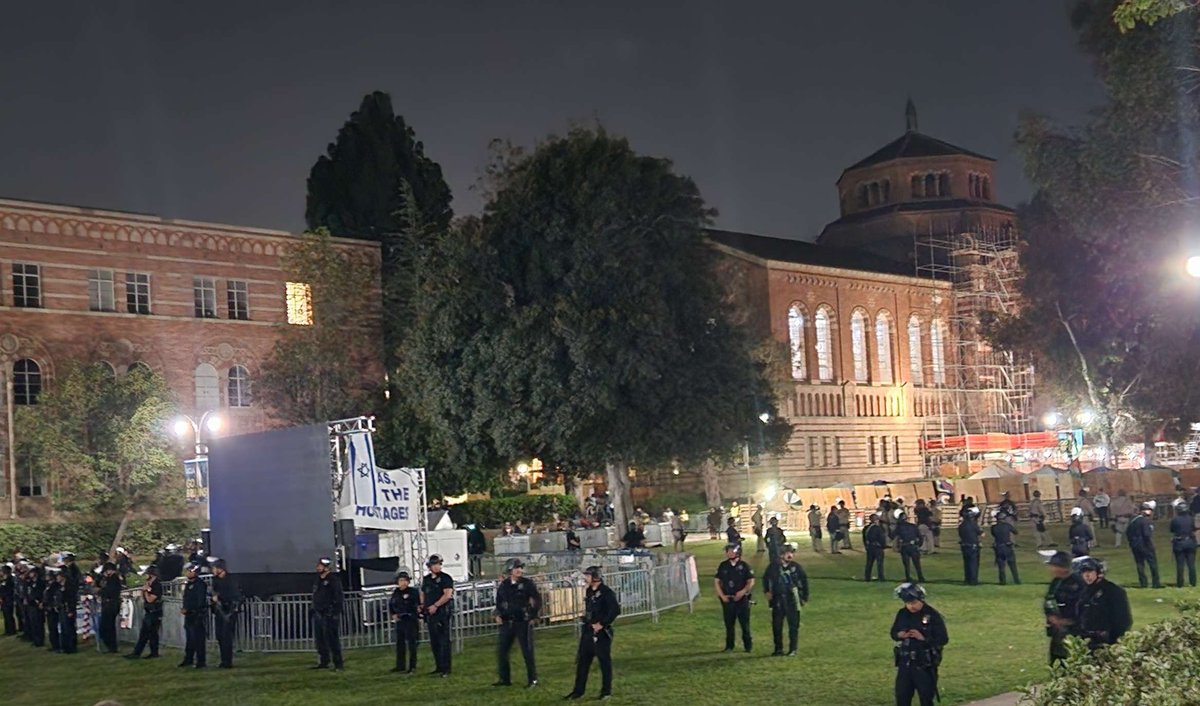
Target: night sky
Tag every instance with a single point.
(216, 111)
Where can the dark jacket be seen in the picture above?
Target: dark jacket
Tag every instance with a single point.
(1002, 533)
(195, 600)
(634, 539)
(327, 596)
(875, 536)
(110, 589)
(170, 567)
(153, 588)
(1140, 534)
(1183, 532)
(433, 586)
(787, 584)
(1080, 534)
(600, 606)
(908, 534)
(970, 534)
(227, 593)
(833, 523)
(405, 604)
(476, 542)
(1103, 613)
(518, 600)
(911, 652)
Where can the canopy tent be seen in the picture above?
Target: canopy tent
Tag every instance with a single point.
(994, 470)
(1048, 471)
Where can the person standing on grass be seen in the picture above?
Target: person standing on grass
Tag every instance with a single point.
(110, 606)
(195, 619)
(7, 597)
(732, 536)
(1061, 603)
(875, 542)
(226, 601)
(920, 635)
(152, 614)
(518, 605)
(1140, 534)
(68, 597)
(1101, 502)
(678, 533)
(970, 541)
(814, 527)
(1183, 543)
(924, 525)
(843, 514)
(51, 603)
(908, 539)
(600, 611)
(733, 583)
(1004, 547)
(786, 588)
(1103, 614)
(1122, 511)
(775, 539)
(327, 599)
(437, 603)
(756, 523)
(1037, 516)
(833, 523)
(404, 606)
(1079, 533)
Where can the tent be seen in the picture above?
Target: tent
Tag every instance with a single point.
(994, 470)
(1050, 471)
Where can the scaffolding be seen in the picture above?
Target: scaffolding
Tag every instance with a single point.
(986, 390)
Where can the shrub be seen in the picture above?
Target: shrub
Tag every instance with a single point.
(86, 539)
(676, 500)
(525, 508)
(1157, 665)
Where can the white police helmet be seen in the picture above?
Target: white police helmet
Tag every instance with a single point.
(1076, 512)
(1149, 505)
(973, 511)
(898, 514)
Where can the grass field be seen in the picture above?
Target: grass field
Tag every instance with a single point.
(997, 644)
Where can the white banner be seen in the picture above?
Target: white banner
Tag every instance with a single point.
(377, 498)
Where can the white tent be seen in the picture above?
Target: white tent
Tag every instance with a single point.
(994, 470)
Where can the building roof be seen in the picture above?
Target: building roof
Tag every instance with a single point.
(914, 144)
(805, 253)
(926, 205)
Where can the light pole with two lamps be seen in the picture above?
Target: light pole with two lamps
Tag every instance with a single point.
(210, 422)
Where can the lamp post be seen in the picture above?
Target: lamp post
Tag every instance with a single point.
(209, 421)
(523, 471)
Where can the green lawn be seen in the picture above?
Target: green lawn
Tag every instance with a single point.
(996, 644)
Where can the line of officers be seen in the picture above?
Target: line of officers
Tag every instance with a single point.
(39, 603)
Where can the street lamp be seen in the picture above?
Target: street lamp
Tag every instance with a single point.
(1050, 420)
(210, 421)
(523, 471)
(1193, 266)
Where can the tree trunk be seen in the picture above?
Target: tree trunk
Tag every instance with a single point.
(712, 483)
(1149, 444)
(620, 493)
(1103, 413)
(112, 551)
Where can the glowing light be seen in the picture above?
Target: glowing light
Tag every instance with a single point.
(764, 417)
(1086, 416)
(213, 424)
(1051, 419)
(299, 304)
(523, 469)
(768, 493)
(182, 427)
(1193, 266)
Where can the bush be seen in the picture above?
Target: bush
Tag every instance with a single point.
(676, 500)
(1157, 665)
(525, 508)
(86, 539)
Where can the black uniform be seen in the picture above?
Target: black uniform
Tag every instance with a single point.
(970, 536)
(35, 626)
(405, 608)
(733, 578)
(600, 608)
(228, 599)
(1081, 537)
(110, 609)
(152, 614)
(1183, 546)
(909, 537)
(432, 588)
(1006, 553)
(518, 605)
(7, 600)
(1103, 613)
(20, 612)
(170, 567)
(573, 543)
(788, 585)
(476, 548)
(917, 660)
(875, 541)
(1062, 600)
(326, 611)
(1141, 542)
(775, 539)
(634, 538)
(195, 624)
(68, 635)
(1008, 510)
(51, 608)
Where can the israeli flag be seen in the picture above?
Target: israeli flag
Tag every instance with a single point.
(362, 467)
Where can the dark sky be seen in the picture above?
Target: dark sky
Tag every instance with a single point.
(216, 111)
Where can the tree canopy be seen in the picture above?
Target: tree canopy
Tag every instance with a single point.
(1129, 13)
(580, 322)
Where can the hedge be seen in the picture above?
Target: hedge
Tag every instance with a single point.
(86, 539)
(1158, 665)
(524, 508)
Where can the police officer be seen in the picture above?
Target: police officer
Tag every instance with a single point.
(476, 548)
(71, 569)
(786, 588)
(437, 602)
(1140, 534)
(326, 611)
(833, 523)
(1007, 510)
(1037, 515)
(152, 614)
(226, 599)
(1061, 603)
(20, 614)
(814, 527)
(68, 604)
(908, 538)
(595, 640)
(775, 539)
(969, 542)
(1103, 615)
(733, 582)
(1079, 533)
(920, 635)
(51, 605)
(843, 514)
(875, 541)
(170, 566)
(7, 599)
(1183, 543)
(404, 606)
(195, 619)
(35, 587)
(518, 605)
(1004, 547)
(756, 523)
(634, 538)
(110, 605)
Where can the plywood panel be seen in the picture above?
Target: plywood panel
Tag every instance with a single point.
(1015, 485)
(1190, 477)
(867, 496)
(973, 488)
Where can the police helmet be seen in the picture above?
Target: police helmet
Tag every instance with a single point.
(1076, 512)
(513, 564)
(109, 566)
(1089, 563)
(733, 547)
(973, 511)
(403, 574)
(1149, 505)
(171, 547)
(1178, 503)
(68, 556)
(151, 570)
(326, 562)
(910, 592)
(899, 514)
(593, 571)
(773, 521)
(217, 564)
(900, 499)
(434, 560)
(192, 568)
(788, 548)
(1060, 559)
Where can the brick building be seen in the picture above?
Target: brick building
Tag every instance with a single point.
(200, 303)
(880, 316)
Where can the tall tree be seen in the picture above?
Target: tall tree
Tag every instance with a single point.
(580, 321)
(327, 369)
(1129, 13)
(102, 442)
(1107, 311)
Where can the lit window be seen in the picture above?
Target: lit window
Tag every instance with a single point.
(27, 381)
(299, 304)
(937, 351)
(237, 294)
(27, 286)
(858, 346)
(239, 387)
(883, 346)
(796, 342)
(915, 370)
(137, 293)
(824, 344)
(101, 295)
(204, 297)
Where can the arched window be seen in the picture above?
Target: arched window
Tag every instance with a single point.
(863, 196)
(858, 346)
(796, 341)
(918, 186)
(138, 368)
(937, 350)
(875, 193)
(239, 387)
(208, 388)
(27, 381)
(986, 191)
(883, 346)
(930, 185)
(916, 370)
(106, 367)
(885, 191)
(824, 347)
(943, 184)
